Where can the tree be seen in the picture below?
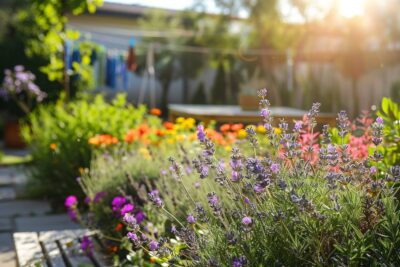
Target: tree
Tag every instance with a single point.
(49, 36)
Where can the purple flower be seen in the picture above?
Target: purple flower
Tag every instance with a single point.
(196, 185)
(246, 200)
(201, 135)
(153, 245)
(379, 120)
(132, 236)
(203, 171)
(127, 208)
(130, 219)
(87, 245)
(88, 200)
(235, 176)
(99, 196)
(265, 113)
(72, 215)
(19, 68)
(140, 216)
(213, 199)
(246, 221)
(164, 172)
(258, 188)
(267, 126)
(239, 262)
(71, 201)
(274, 167)
(373, 170)
(191, 219)
(298, 125)
(153, 196)
(173, 229)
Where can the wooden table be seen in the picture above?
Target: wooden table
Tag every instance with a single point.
(235, 114)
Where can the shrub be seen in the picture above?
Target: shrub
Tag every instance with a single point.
(58, 139)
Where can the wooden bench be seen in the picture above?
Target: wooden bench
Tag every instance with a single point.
(58, 249)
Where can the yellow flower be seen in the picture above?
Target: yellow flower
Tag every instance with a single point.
(180, 137)
(260, 129)
(180, 120)
(145, 153)
(228, 148)
(277, 130)
(241, 134)
(170, 140)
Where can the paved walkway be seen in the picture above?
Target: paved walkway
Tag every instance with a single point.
(21, 215)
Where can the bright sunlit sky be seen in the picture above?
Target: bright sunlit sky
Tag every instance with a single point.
(347, 8)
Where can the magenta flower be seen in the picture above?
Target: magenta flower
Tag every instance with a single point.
(71, 201)
(118, 201)
(127, 208)
(379, 120)
(246, 221)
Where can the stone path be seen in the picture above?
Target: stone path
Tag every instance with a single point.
(20, 215)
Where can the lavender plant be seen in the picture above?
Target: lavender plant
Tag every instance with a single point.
(281, 208)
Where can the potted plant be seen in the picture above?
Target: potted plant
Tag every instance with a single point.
(18, 86)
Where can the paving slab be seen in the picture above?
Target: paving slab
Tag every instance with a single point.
(23, 208)
(6, 225)
(7, 193)
(12, 175)
(7, 254)
(45, 223)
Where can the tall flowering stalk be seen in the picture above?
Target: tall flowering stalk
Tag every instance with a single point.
(19, 85)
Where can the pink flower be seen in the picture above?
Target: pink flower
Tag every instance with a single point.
(71, 201)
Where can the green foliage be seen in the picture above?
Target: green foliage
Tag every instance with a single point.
(58, 138)
(390, 112)
(48, 36)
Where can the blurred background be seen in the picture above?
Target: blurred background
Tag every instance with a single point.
(342, 53)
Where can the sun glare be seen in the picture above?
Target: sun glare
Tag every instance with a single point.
(351, 8)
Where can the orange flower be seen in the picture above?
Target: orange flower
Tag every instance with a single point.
(103, 139)
(155, 112)
(153, 259)
(160, 133)
(143, 130)
(53, 146)
(168, 125)
(131, 136)
(236, 127)
(225, 127)
(94, 141)
(118, 227)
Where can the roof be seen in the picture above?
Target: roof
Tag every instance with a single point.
(128, 10)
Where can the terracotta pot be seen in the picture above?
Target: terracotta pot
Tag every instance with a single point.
(12, 135)
(248, 102)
